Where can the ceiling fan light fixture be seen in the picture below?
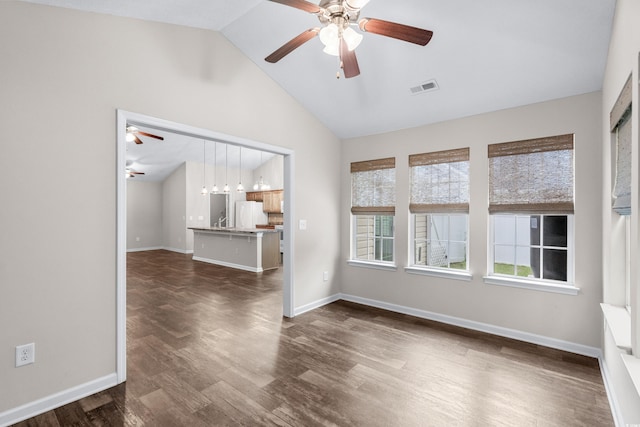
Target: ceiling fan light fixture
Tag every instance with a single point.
(356, 4)
(329, 35)
(352, 38)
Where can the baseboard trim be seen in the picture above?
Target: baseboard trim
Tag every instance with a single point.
(316, 304)
(56, 400)
(153, 248)
(616, 412)
(478, 326)
(180, 251)
(228, 264)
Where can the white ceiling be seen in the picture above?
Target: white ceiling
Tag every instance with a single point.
(485, 55)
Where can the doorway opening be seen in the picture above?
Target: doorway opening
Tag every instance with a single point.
(126, 118)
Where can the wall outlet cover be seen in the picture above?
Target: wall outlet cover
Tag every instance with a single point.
(25, 354)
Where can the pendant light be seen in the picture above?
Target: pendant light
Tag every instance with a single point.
(260, 184)
(204, 191)
(226, 188)
(240, 187)
(214, 189)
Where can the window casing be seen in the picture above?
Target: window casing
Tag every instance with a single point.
(531, 210)
(373, 211)
(532, 247)
(439, 206)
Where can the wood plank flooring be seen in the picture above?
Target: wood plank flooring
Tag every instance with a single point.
(207, 346)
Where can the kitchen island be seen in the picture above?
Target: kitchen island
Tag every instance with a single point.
(251, 249)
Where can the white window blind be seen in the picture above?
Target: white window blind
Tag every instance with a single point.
(621, 130)
(373, 187)
(440, 181)
(532, 176)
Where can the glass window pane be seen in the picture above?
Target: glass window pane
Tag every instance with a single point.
(458, 255)
(504, 260)
(387, 250)
(555, 264)
(420, 253)
(438, 253)
(523, 231)
(504, 229)
(534, 225)
(523, 262)
(555, 231)
(439, 227)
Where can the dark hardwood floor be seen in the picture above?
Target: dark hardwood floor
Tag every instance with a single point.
(207, 346)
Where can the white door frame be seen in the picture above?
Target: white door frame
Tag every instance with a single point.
(122, 119)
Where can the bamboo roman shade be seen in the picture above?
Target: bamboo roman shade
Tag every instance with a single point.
(532, 176)
(621, 128)
(373, 187)
(440, 182)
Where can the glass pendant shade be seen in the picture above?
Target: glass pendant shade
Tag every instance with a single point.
(330, 37)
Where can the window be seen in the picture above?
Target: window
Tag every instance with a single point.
(439, 206)
(373, 200)
(532, 246)
(531, 207)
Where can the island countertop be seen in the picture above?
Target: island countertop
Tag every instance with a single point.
(233, 230)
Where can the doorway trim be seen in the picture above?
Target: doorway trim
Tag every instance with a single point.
(126, 117)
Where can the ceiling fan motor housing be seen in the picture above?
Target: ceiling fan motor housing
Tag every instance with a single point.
(337, 12)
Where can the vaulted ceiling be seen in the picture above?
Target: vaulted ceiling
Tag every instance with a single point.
(484, 55)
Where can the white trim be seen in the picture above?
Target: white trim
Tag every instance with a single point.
(56, 400)
(440, 272)
(619, 322)
(317, 304)
(372, 264)
(632, 364)
(482, 327)
(178, 250)
(122, 118)
(616, 412)
(153, 248)
(531, 285)
(228, 264)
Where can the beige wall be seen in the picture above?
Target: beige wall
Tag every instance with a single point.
(64, 74)
(174, 211)
(575, 319)
(622, 61)
(144, 214)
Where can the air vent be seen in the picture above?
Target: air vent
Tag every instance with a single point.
(424, 87)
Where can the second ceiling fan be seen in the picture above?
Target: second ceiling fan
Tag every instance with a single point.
(337, 17)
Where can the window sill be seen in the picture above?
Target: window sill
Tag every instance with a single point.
(437, 272)
(619, 322)
(632, 364)
(372, 264)
(531, 285)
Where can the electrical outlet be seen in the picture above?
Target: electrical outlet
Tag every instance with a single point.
(25, 354)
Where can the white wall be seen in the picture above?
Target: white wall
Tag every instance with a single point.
(65, 72)
(175, 236)
(144, 214)
(622, 61)
(272, 172)
(574, 319)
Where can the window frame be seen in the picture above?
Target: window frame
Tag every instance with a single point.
(354, 239)
(542, 284)
(463, 274)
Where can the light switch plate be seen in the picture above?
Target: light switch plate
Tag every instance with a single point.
(302, 225)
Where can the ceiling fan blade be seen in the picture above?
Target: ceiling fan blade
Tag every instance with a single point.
(300, 4)
(137, 140)
(349, 61)
(150, 135)
(396, 31)
(291, 45)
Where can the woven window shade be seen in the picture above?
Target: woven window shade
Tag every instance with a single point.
(622, 187)
(440, 182)
(532, 176)
(373, 187)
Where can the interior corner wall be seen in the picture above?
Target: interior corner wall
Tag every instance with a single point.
(144, 215)
(174, 211)
(271, 172)
(622, 61)
(66, 72)
(572, 319)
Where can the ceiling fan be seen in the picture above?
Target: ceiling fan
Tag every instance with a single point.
(337, 17)
(130, 173)
(133, 132)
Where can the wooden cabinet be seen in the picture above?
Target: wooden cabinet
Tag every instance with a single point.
(255, 196)
(272, 201)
